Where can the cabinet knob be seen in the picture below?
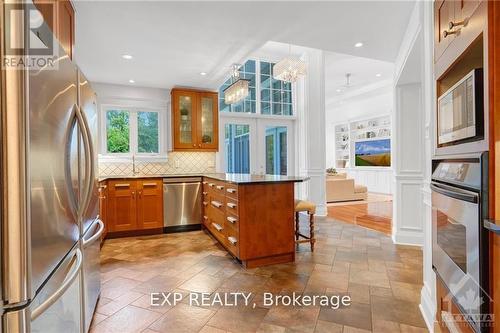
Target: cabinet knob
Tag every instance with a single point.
(199, 145)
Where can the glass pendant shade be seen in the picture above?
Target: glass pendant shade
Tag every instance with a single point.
(289, 69)
(236, 92)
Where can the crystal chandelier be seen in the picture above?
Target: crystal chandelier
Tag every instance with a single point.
(238, 90)
(290, 68)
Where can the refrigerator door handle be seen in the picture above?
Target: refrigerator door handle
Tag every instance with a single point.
(87, 242)
(67, 164)
(88, 161)
(68, 281)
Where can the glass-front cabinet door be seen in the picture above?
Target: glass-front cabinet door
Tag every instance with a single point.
(208, 121)
(195, 120)
(184, 113)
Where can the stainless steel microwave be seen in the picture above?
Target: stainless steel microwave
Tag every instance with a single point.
(460, 111)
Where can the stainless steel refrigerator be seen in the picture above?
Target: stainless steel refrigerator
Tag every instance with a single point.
(49, 203)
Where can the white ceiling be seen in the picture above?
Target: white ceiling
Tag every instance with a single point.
(363, 80)
(172, 42)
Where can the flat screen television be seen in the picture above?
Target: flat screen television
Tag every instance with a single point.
(373, 153)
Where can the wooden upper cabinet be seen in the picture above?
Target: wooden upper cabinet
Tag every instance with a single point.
(66, 26)
(456, 22)
(150, 203)
(195, 116)
(444, 13)
(60, 17)
(121, 213)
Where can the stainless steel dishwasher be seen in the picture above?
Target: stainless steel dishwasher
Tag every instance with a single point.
(181, 204)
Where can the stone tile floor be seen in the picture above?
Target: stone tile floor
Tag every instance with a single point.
(383, 280)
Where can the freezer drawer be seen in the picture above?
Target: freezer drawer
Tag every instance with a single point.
(181, 201)
(57, 308)
(91, 269)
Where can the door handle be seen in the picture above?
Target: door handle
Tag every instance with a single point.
(88, 161)
(72, 275)
(96, 236)
(492, 226)
(67, 164)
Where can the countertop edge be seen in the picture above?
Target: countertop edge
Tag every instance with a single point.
(212, 176)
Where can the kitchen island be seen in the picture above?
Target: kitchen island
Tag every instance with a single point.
(251, 216)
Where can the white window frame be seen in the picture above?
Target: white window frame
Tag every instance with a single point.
(258, 123)
(133, 135)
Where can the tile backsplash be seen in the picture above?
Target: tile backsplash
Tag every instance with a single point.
(177, 163)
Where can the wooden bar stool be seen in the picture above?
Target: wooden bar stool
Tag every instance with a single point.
(310, 208)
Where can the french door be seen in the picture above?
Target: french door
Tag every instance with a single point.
(256, 145)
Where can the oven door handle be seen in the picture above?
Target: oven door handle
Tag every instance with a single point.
(474, 198)
(492, 226)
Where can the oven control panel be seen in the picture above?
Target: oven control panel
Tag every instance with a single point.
(459, 172)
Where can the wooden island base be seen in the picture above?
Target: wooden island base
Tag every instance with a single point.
(254, 221)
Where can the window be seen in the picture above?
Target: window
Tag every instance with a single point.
(266, 95)
(131, 131)
(118, 131)
(248, 105)
(237, 148)
(275, 95)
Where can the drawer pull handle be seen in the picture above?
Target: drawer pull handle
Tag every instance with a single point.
(211, 184)
(205, 203)
(231, 219)
(231, 205)
(218, 227)
(220, 187)
(149, 184)
(231, 190)
(232, 240)
(122, 185)
(216, 204)
(205, 193)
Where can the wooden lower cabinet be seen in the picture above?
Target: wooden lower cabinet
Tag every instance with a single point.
(103, 207)
(134, 206)
(150, 204)
(254, 222)
(447, 311)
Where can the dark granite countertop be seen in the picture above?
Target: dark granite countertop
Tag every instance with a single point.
(226, 177)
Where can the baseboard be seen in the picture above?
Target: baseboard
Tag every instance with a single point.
(427, 308)
(408, 238)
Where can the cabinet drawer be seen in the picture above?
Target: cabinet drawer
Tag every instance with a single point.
(232, 222)
(232, 191)
(232, 207)
(217, 203)
(232, 242)
(217, 230)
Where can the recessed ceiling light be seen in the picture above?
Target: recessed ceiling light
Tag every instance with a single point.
(203, 73)
(358, 44)
(131, 81)
(378, 75)
(338, 90)
(127, 57)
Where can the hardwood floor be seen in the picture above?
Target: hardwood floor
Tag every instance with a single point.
(375, 213)
(384, 281)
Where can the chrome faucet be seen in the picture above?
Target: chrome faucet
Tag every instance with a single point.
(134, 172)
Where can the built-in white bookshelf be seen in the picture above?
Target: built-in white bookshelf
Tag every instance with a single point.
(342, 146)
(347, 134)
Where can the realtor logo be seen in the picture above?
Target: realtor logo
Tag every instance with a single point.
(29, 42)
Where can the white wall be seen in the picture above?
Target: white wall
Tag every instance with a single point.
(415, 60)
